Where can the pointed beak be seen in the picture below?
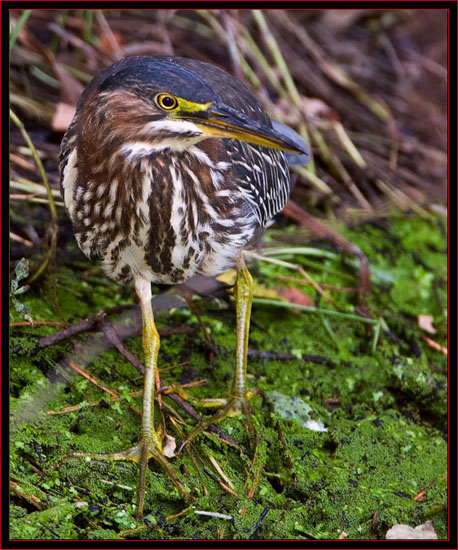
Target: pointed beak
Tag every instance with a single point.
(226, 122)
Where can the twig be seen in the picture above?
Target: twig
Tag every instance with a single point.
(31, 499)
(317, 287)
(335, 288)
(131, 531)
(220, 471)
(179, 514)
(110, 334)
(90, 323)
(21, 240)
(74, 408)
(94, 381)
(96, 322)
(36, 323)
(435, 345)
(91, 379)
(419, 497)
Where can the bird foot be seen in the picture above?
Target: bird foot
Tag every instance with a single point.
(209, 402)
(148, 447)
(231, 406)
(194, 401)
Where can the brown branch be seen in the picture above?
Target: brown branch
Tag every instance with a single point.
(114, 336)
(299, 215)
(111, 335)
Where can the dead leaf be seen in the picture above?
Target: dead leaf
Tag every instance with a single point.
(62, 117)
(262, 291)
(228, 277)
(401, 531)
(295, 296)
(316, 109)
(169, 448)
(425, 322)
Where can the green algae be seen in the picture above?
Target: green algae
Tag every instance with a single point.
(385, 412)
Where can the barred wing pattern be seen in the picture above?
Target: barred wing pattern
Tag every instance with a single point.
(264, 176)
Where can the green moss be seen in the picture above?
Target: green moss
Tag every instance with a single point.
(385, 413)
(54, 523)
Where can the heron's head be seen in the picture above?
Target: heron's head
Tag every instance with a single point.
(143, 105)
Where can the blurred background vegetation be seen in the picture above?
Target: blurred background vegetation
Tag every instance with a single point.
(367, 89)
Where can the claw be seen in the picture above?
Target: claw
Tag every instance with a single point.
(234, 406)
(140, 454)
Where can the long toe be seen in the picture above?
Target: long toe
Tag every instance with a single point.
(234, 406)
(140, 454)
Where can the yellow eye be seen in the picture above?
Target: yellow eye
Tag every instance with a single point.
(166, 102)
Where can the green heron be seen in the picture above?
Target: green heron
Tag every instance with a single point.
(170, 168)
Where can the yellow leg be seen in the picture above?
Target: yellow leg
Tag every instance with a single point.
(149, 445)
(243, 294)
(237, 400)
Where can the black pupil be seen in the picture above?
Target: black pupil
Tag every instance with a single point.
(168, 101)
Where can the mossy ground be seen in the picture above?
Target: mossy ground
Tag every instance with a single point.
(385, 413)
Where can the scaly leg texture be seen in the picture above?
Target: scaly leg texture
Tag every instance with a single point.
(149, 445)
(237, 400)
